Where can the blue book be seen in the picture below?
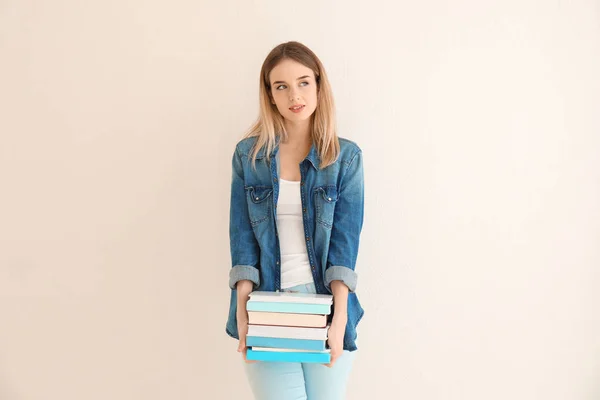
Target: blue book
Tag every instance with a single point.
(298, 308)
(300, 344)
(285, 355)
(288, 302)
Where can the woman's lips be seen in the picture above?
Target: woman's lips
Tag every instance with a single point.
(296, 110)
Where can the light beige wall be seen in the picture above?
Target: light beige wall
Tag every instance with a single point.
(479, 123)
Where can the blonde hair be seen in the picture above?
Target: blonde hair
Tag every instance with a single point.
(270, 122)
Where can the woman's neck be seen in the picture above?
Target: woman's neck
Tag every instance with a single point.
(298, 134)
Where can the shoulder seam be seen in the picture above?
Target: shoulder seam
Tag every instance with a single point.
(239, 147)
(357, 152)
(351, 143)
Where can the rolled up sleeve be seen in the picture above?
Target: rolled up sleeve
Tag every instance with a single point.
(245, 251)
(347, 225)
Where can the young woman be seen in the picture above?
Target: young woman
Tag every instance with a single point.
(297, 196)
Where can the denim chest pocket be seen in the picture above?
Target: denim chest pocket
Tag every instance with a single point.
(259, 204)
(325, 198)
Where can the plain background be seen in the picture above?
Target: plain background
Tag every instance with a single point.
(479, 261)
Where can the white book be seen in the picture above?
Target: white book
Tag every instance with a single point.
(287, 319)
(288, 332)
(289, 350)
(291, 297)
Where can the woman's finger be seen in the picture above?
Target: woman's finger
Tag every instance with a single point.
(246, 359)
(332, 361)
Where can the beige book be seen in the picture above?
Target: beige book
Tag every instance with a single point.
(287, 319)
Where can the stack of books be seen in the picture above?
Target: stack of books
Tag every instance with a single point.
(289, 327)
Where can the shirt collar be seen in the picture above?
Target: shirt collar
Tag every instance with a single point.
(312, 156)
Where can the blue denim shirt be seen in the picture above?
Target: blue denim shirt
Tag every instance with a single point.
(332, 205)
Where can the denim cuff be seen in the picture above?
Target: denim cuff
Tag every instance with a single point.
(341, 273)
(242, 272)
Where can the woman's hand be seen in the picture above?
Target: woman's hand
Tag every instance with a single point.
(244, 287)
(242, 324)
(335, 334)
(335, 337)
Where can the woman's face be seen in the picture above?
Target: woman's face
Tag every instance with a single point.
(293, 84)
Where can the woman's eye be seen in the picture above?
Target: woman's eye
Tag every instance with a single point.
(277, 88)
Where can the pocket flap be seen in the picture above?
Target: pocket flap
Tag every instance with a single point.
(258, 194)
(328, 192)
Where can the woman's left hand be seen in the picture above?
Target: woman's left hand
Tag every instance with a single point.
(335, 338)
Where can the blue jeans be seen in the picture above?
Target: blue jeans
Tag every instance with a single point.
(300, 381)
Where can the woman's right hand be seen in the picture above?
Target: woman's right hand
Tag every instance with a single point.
(242, 324)
(244, 287)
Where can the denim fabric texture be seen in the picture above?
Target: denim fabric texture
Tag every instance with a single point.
(333, 209)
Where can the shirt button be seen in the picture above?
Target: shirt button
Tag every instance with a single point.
(305, 210)
(277, 262)
(307, 238)
(274, 179)
(313, 267)
(302, 183)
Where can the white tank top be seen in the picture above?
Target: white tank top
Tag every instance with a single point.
(295, 266)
